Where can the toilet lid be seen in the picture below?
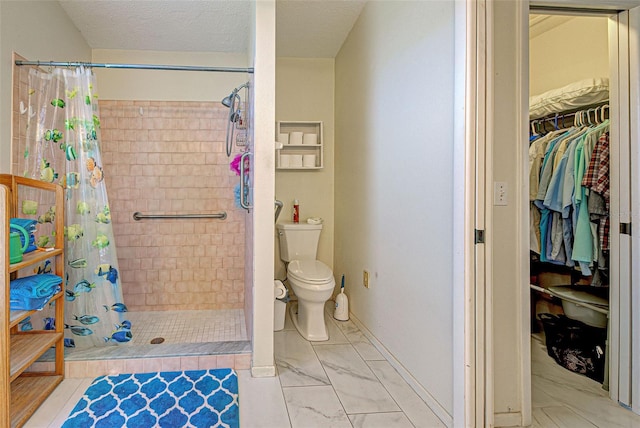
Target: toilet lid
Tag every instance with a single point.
(574, 294)
(313, 271)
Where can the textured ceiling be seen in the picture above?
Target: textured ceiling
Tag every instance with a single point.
(179, 25)
(314, 28)
(305, 28)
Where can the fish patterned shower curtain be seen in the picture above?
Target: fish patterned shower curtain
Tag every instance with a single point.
(63, 146)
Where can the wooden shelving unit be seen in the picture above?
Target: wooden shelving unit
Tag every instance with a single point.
(23, 392)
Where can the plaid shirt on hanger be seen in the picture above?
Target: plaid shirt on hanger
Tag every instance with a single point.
(596, 178)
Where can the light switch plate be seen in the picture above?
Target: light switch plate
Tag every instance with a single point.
(500, 193)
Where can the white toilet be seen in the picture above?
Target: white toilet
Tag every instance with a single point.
(311, 280)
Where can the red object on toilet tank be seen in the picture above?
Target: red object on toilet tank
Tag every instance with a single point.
(296, 211)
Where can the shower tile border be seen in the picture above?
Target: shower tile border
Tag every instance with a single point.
(95, 368)
(154, 351)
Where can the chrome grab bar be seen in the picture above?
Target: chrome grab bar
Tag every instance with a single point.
(243, 202)
(279, 205)
(139, 216)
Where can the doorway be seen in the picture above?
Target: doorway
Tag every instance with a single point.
(508, 388)
(570, 272)
(621, 61)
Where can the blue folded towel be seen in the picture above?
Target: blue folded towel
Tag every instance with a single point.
(23, 303)
(35, 286)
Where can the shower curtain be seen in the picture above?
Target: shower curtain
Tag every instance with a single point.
(63, 146)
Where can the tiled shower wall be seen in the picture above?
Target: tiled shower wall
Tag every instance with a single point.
(168, 158)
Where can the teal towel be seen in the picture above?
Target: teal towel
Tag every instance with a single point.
(35, 286)
(23, 303)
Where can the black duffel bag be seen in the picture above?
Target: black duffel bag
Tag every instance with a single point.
(575, 345)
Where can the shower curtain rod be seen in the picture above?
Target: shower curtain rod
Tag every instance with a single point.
(136, 66)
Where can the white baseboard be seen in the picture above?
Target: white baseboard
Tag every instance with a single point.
(433, 404)
(507, 419)
(263, 371)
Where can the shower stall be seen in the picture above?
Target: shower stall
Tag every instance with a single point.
(178, 227)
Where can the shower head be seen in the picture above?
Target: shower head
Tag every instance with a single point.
(234, 103)
(228, 100)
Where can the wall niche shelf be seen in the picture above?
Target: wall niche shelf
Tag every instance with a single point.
(299, 154)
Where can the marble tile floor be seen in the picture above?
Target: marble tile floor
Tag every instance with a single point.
(561, 398)
(346, 382)
(343, 382)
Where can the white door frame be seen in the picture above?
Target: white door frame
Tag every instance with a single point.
(634, 114)
(619, 335)
(470, 408)
(481, 122)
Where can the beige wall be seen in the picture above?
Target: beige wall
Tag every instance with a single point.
(117, 84)
(37, 30)
(575, 50)
(394, 184)
(305, 91)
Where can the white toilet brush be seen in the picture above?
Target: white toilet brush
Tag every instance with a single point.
(342, 305)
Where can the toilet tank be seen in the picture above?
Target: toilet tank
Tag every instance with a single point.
(298, 241)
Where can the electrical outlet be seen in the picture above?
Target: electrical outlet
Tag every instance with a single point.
(365, 278)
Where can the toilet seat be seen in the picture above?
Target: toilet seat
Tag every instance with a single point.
(313, 273)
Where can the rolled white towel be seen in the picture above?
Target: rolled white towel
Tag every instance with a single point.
(314, 220)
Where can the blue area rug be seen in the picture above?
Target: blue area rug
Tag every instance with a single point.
(195, 398)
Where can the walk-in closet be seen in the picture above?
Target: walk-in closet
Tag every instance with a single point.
(571, 271)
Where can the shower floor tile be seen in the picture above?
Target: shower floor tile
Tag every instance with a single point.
(185, 333)
(222, 325)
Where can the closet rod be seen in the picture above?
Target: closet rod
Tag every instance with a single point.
(572, 112)
(135, 66)
(565, 10)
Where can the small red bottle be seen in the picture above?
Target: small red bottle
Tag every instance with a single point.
(296, 211)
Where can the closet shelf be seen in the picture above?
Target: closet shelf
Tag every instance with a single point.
(300, 167)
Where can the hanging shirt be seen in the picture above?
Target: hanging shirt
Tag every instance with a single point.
(551, 235)
(536, 157)
(596, 178)
(547, 169)
(583, 250)
(557, 195)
